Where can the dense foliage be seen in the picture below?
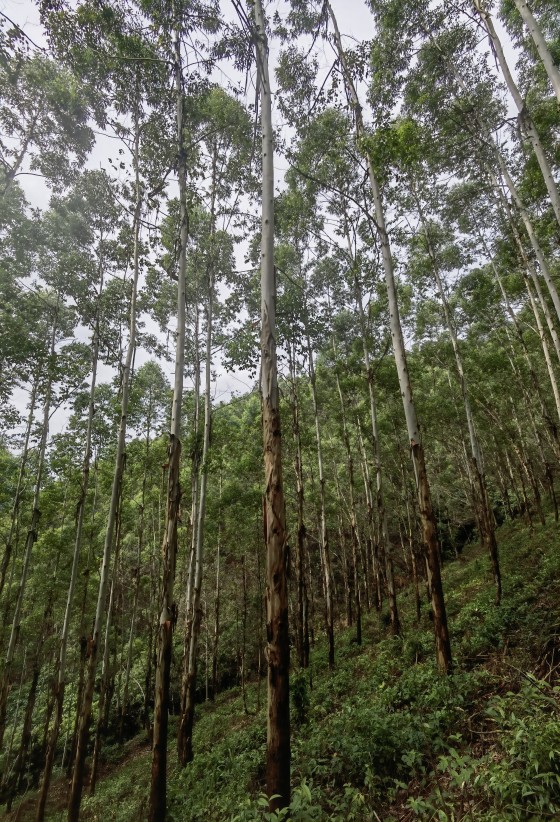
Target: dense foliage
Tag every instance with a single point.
(412, 305)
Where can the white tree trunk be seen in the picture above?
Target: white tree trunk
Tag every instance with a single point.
(526, 123)
(541, 46)
(443, 644)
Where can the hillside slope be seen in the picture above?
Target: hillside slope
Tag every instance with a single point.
(383, 736)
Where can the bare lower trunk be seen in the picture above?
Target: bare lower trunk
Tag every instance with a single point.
(184, 738)
(167, 618)
(278, 726)
(323, 542)
(19, 487)
(82, 736)
(105, 672)
(80, 514)
(302, 635)
(352, 507)
(488, 531)
(443, 645)
(32, 534)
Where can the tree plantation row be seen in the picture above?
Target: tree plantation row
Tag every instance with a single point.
(392, 293)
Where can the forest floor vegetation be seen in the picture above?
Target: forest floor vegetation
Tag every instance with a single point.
(384, 736)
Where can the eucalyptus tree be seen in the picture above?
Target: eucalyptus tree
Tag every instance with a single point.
(526, 124)
(299, 325)
(214, 257)
(440, 252)
(176, 27)
(45, 113)
(91, 214)
(449, 52)
(278, 725)
(543, 44)
(384, 541)
(148, 401)
(227, 141)
(375, 171)
(57, 325)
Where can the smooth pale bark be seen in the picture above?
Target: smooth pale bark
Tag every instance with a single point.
(195, 480)
(167, 618)
(200, 472)
(379, 496)
(324, 537)
(217, 601)
(276, 595)
(302, 627)
(136, 582)
(32, 534)
(515, 322)
(481, 491)
(429, 528)
(530, 268)
(540, 43)
(19, 485)
(60, 684)
(184, 739)
(544, 344)
(101, 708)
(486, 137)
(541, 259)
(93, 641)
(526, 123)
(351, 506)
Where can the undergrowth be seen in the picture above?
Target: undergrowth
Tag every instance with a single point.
(384, 736)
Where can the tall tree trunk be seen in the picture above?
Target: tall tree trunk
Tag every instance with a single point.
(484, 134)
(513, 317)
(527, 264)
(105, 664)
(184, 739)
(60, 683)
(480, 487)
(278, 726)
(379, 497)
(216, 641)
(526, 124)
(136, 582)
(324, 537)
(167, 619)
(352, 508)
(302, 632)
(92, 650)
(429, 528)
(19, 485)
(32, 533)
(82, 628)
(195, 482)
(542, 49)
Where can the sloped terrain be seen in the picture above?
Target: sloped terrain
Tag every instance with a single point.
(384, 736)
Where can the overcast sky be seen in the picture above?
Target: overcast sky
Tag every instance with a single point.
(356, 24)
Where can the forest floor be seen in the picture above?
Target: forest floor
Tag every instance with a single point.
(383, 736)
